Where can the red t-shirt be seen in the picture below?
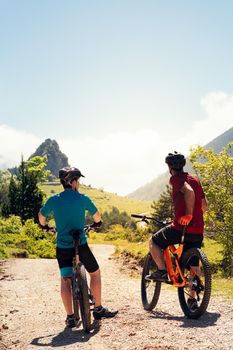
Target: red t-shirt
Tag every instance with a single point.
(177, 182)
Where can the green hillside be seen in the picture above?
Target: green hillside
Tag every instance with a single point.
(103, 200)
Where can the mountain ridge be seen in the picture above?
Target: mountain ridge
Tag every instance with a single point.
(56, 159)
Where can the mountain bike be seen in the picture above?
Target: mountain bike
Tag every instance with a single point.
(193, 283)
(81, 293)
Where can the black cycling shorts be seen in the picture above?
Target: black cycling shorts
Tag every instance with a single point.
(65, 259)
(168, 235)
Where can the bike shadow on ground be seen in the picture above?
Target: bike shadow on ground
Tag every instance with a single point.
(67, 337)
(206, 320)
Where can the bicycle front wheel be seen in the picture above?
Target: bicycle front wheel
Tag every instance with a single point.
(195, 296)
(84, 300)
(150, 290)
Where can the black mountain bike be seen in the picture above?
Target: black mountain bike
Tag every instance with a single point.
(83, 300)
(193, 282)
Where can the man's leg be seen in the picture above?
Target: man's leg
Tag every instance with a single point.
(193, 241)
(157, 255)
(91, 265)
(66, 294)
(95, 285)
(159, 241)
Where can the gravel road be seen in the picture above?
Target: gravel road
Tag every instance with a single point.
(32, 316)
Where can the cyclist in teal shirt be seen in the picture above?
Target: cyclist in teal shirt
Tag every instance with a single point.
(68, 209)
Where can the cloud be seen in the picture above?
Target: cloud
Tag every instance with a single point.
(218, 107)
(15, 143)
(123, 161)
(118, 162)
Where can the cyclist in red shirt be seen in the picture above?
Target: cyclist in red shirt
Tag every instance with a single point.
(189, 204)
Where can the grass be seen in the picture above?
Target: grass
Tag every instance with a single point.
(103, 200)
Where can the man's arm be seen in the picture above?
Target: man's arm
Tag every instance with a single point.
(42, 219)
(97, 217)
(204, 204)
(189, 197)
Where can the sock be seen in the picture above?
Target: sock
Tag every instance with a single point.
(98, 308)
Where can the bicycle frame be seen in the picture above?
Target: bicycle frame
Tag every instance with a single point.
(176, 276)
(76, 259)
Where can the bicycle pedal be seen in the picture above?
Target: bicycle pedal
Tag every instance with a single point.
(168, 282)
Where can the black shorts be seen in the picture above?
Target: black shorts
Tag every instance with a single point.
(168, 235)
(65, 259)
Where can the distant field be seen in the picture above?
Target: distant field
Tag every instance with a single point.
(103, 200)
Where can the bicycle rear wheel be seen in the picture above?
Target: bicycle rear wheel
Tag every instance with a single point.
(194, 297)
(84, 300)
(75, 295)
(150, 290)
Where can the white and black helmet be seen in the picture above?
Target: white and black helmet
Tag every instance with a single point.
(68, 174)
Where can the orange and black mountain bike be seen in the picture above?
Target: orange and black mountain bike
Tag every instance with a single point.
(193, 283)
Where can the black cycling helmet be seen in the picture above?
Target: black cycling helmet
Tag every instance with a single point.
(175, 160)
(68, 174)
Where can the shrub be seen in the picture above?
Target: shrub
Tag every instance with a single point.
(11, 225)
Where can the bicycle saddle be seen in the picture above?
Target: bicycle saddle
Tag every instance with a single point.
(76, 233)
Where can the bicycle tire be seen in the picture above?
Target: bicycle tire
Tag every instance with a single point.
(84, 300)
(201, 284)
(75, 296)
(150, 290)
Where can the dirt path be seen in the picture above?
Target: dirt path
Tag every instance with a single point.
(32, 316)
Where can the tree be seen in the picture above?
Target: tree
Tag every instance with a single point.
(115, 217)
(5, 177)
(163, 208)
(25, 197)
(216, 173)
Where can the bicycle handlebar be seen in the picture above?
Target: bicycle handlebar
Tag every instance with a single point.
(92, 226)
(145, 218)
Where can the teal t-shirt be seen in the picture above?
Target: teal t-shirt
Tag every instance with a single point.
(68, 209)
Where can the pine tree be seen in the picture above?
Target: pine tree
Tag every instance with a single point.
(162, 208)
(25, 197)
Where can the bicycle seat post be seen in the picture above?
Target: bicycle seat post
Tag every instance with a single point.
(183, 235)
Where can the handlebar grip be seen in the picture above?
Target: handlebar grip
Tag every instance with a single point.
(137, 216)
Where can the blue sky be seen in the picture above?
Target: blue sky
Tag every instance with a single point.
(117, 83)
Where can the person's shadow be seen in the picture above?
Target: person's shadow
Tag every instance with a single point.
(67, 336)
(206, 320)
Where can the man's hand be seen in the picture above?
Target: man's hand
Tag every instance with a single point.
(96, 225)
(47, 228)
(185, 219)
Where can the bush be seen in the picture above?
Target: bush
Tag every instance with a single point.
(140, 235)
(12, 225)
(114, 233)
(28, 240)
